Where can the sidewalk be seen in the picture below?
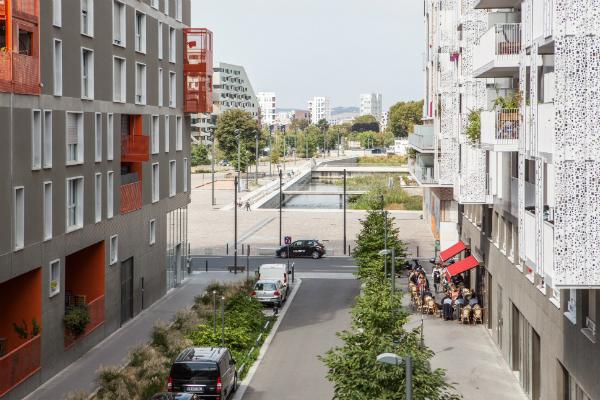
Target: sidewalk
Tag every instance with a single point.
(113, 350)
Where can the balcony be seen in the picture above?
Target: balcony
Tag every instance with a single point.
(19, 73)
(422, 138)
(96, 310)
(500, 129)
(497, 54)
(2, 9)
(422, 173)
(496, 4)
(131, 197)
(198, 70)
(20, 364)
(135, 148)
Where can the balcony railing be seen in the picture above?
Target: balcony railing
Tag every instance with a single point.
(508, 38)
(497, 53)
(131, 197)
(2, 9)
(19, 364)
(96, 310)
(500, 129)
(422, 173)
(422, 138)
(135, 148)
(19, 73)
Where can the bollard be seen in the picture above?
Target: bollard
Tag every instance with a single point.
(248, 250)
(417, 251)
(293, 273)
(206, 265)
(349, 252)
(247, 266)
(227, 249)
(242, 249)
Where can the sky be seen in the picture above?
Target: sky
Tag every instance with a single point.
(334, 48)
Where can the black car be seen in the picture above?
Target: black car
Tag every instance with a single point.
(302, 248)
(175, 396)
(208, 372)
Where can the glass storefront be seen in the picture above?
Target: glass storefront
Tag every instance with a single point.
(177, 247)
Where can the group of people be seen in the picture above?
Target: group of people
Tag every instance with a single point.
(455, 298)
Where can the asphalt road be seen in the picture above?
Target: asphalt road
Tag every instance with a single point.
(324, 265)
(290, 368)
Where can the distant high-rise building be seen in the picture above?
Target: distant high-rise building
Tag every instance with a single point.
(371, 104)
(268, 104)
(383, 122)
(319, 108)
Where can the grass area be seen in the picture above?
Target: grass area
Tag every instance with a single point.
(388, 160)
(394, 197)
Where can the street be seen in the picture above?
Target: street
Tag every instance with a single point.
(302, 265)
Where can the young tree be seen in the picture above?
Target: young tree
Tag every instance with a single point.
(227, 124)
(199, 155)
(403, 115)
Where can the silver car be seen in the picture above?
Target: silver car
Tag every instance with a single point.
(270, 291)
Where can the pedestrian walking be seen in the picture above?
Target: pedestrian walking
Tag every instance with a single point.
(247, 206)
(437, 278)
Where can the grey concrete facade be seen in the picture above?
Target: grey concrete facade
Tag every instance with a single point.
(132, 228)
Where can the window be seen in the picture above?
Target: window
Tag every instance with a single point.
(74, 138)
(54, 286)
(87, 74)
(119, 24)
(140, 83)
(110, 135)
(57, 67)
(152, 233)
(57, 13)
(36, 139)
(155, 183)
(160, 87)
(98, 198)
(172, 178)
(140, 32)
(167, 7)
(160, 40)
(589, 314)
(185, 174)
(47, 210)
(172, 45)
(172, 90)
(74, 203)
(113, 250)
(154, 4)
(19, 218)
(167, 133)
(119, 80)
(155, 134)
(178, 10)
(47, 139)
(178, 134)
(110, 184)
(87, 17)
(98, 137)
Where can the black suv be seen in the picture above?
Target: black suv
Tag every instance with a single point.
(302, 248)
(209, 372)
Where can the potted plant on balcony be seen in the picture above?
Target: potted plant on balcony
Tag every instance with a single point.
(473, 128)
(22, 330)
(76, 319)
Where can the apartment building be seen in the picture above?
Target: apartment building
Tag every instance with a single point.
(319, 108)
(232, 89)
(95, 162)
(267, 102)
(518, 194)
(371, 104)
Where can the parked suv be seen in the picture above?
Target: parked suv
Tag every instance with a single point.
(302, 248)
(208, 372)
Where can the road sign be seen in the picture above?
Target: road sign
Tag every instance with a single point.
(287, 240)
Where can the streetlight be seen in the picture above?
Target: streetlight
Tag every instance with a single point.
(384, 232)
(211, 131)
(280, 204)
(235, 224)
(393, 253)
(239, 165)
(393, 359)
(344, 210)
(256, 176)
(222, 321)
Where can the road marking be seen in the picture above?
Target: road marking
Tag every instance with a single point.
(239, 394)
(325, 275)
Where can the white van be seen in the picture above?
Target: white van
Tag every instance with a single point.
(276, 272)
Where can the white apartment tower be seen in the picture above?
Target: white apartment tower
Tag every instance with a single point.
(319, 108)
(371, 104)
(268, 107)
(519, 193)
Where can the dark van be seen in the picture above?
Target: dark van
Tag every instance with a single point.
(209, 372)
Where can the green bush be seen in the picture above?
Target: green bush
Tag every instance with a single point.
(473, 129)
(76, 319)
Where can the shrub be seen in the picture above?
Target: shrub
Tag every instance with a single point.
(76, 319)
(473, 129)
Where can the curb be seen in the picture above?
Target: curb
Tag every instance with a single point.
(239, 394)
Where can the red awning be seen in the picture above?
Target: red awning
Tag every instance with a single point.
(461, 266)
(452, 251)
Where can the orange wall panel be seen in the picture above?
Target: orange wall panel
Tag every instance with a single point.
(84, 272)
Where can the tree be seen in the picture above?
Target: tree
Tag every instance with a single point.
(299, 124)
(365, 126)
(403, 116)
(364, 119)
(227, 124)
(323, 125)
(199, 155)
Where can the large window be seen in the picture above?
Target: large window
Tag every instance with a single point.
(178, 10)
(47, 139)
(119, 80)
(19, 218)
(172, 44)
(110, 135)
(74, 203)
(87, 17)
(155, 134)
(110, 194)
(74, 138)
(172, 90)
(161, 85)
(167, 133)
(87, 74)
(179, 134)
(57, 13)
(47, 210)
(140, 83)
(155, 183)
(36, 139)
(119, 24)
(98, 197)
(154, 4)
(167, 7)
(160, 40)
(58, 74)
(98, 137)
(140, 32)
(172, 178)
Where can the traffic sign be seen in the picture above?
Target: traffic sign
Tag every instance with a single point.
(287, 240)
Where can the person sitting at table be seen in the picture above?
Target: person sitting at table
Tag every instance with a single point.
(454, 292)
(447, 307)
(474, 300)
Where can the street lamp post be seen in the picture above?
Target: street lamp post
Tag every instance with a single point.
(344, 210)
(212, 164)
(384, 234)
(235, 224)
(393, 253)
(222, 321)
(256, 176)
(280, 203)
(239, 165)
(338, 143)
(393, 359)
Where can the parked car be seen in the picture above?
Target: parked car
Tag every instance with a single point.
(175, 396)
(208, 372)
(277, 272)
(302, 248)
(270, 292)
